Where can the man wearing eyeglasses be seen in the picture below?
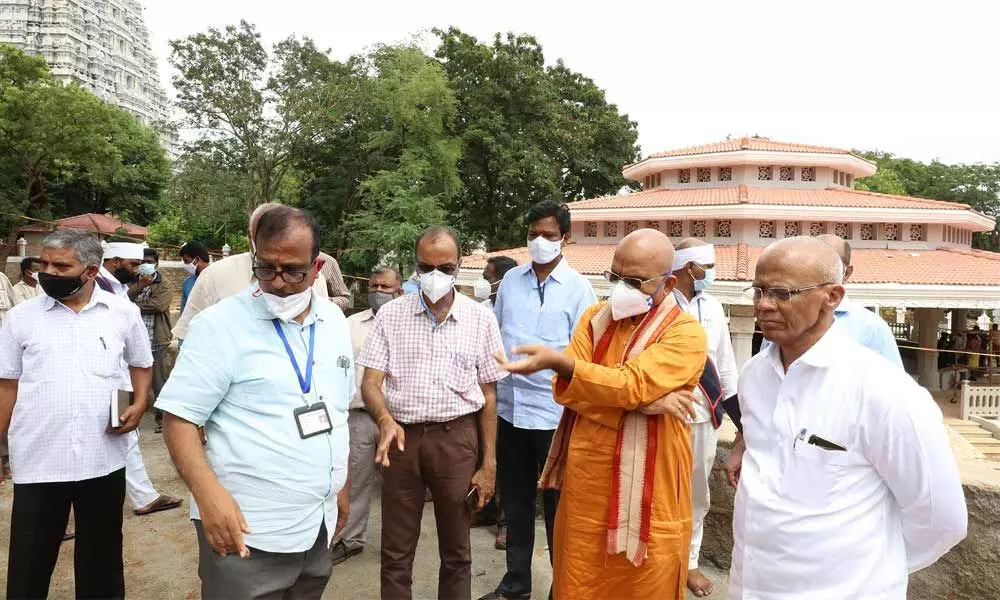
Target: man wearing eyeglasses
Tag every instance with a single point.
(269, 373)
(228, 277)
(694, 268)
(847, 482)
(433, 351)
(621, 455)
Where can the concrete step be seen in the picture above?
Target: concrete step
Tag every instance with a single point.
(976, 435)
(985, 443)
(960, 423)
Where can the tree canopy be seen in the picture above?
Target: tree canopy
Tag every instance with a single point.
(63, 151)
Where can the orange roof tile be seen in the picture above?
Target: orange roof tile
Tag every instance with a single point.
(737, 263)
(835, 197)
(748, 143)
(99, 223)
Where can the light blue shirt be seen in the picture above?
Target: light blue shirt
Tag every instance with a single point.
(526, 400)
(868, 329)
(234, 377)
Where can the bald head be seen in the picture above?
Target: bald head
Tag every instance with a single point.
(645, 253)
(840, 245)
(797, 288)
(807, 260)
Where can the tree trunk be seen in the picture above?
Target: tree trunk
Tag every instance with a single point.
(10, 243)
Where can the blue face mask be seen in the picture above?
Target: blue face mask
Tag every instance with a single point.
(700, 285)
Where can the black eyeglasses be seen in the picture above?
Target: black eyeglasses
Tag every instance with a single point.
(447, 269)
(270, 274)
(632, 282)
(778, 294)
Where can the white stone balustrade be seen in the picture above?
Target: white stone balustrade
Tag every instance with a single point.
(980, 400)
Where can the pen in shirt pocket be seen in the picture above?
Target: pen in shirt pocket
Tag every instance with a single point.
(102, 342)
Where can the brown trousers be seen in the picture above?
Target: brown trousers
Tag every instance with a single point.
(441, 457)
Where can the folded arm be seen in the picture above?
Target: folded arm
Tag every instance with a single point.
(601, 393)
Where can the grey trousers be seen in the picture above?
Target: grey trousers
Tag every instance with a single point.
(364, 476)
(265, 575)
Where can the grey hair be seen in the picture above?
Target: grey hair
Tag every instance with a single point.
(85, 245)
(382, 270)
(833, 272)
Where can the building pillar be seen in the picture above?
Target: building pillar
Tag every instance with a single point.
(959, 316)
(900, 314)
(927, 361)
(741, 326)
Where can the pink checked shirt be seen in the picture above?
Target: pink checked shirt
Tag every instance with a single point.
(433, 372)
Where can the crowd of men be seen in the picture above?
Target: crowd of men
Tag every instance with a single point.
(283, 416)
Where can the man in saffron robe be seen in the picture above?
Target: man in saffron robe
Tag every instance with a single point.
(622, 453)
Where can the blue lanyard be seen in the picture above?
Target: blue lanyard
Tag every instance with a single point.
(304, 384)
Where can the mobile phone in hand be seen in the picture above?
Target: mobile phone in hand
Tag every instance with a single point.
(471, 497)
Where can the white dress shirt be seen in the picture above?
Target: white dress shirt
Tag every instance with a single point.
(826, 524)
(67, 365)
(220, 280)
(712, 317)
(24, 292)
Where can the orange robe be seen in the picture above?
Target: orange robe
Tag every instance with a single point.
(600, 394)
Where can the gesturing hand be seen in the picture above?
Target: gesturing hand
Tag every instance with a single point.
(679, 404)
(536, 358)
(223, 522)
(388, 431)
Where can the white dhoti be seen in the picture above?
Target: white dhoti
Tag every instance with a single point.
(139, 488)
(704, 439)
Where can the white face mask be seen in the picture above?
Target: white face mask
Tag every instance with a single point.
(544, 251)
(482, 289)
(436, 285)
(190, 268)
(628, 302)
(287, 308)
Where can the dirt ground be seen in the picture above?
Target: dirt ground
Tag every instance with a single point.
(161, 554)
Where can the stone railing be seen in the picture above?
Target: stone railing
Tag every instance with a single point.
(980, 400)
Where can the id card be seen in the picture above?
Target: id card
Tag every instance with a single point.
(312, 420)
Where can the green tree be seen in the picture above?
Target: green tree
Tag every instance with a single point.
(204, 202)
(63, 151)
(257, 110)
(411, 93)
(131, 187)
(529, 133)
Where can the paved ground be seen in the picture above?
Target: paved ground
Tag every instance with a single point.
(161, 553)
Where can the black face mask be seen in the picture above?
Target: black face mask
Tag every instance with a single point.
(60, 286)
(125, 277)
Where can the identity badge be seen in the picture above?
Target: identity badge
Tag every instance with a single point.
(312, 420)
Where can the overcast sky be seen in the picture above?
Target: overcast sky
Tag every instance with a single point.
(875, 74)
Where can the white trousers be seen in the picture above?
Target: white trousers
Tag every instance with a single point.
(704, 439)
(139, 488)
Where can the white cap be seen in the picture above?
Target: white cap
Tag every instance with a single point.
(703, 255)
(126, 250)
